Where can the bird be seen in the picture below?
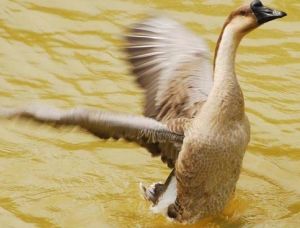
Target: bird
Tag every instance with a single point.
(194, 115)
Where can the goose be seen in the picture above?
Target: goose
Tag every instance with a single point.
(194, 116)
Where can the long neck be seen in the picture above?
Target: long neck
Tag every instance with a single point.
(224, 63)
(226, 98)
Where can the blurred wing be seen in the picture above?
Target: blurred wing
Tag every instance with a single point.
(146, 132)
(172, 65)
(102, 124)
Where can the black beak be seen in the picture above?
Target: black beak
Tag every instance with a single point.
(264, 14)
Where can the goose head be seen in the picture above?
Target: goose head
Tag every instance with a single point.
(248, 17)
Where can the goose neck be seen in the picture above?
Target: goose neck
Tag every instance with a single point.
(224, 67)
(226, 101)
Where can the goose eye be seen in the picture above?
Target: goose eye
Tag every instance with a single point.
(243, 13)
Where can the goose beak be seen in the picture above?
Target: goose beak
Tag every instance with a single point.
(264, 14)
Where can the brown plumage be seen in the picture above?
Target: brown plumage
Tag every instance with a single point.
(172, 65)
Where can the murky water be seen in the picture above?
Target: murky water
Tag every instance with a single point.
(66, 53)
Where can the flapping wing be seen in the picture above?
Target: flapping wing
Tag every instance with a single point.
(102, 124)
(172, 65)
(144, 131)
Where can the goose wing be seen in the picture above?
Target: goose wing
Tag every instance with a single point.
(172, 65)
(155, 136)
(144, 131)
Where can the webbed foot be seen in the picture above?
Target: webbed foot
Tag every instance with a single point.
(153, 192)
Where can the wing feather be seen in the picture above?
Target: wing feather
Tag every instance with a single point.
(172, 65)
(102, 124)
(149, 133)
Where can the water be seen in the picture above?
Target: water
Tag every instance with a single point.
(66, 53)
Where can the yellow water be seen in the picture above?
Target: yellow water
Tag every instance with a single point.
(66, 53)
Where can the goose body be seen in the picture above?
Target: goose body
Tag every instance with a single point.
(194, 113)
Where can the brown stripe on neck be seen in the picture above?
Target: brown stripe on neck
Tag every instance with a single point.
(220, 37)
(244, 10)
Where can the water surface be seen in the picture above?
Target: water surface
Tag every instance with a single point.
(66, 53)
